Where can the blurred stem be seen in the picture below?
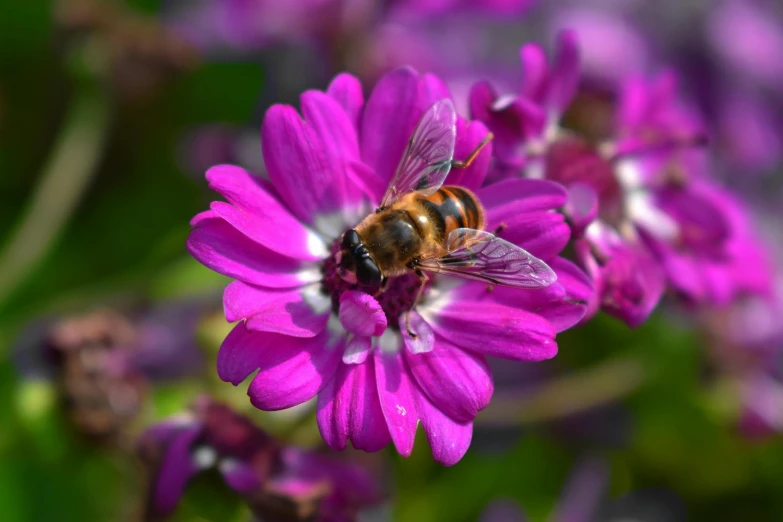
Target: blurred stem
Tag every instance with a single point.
(566, 395)
(64, 179)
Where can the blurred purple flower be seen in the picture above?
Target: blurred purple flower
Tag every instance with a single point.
(746, 344)
(441, 7)
(739, 79)
(612, 46)
(165, 345)
(360, 35)
(642, 208)
(309, 333)
(761, 397)
(104, 362)
(749, 130)
(365, 37)
(255, 24)
(584, 499)
(285, 482)
(503, 511)
(579, 500)
(756, 51)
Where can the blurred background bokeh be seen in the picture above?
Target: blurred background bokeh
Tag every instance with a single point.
(110, 112)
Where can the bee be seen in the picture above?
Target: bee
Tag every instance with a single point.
(424, 227)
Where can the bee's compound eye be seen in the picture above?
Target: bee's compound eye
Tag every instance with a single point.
(350, 239)
(368, 273)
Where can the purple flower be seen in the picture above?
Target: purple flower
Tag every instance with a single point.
(308, 333)
(643, 210)
(271, 477)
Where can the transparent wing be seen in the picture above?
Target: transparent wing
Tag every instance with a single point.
(482, 256)
(427, 160)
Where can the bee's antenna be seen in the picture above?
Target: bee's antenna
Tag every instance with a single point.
(474, 154)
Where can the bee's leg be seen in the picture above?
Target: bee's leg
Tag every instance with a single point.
(472, 156)
(423, 278)
(500, 228)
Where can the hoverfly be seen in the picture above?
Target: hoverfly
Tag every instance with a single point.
(422, 226)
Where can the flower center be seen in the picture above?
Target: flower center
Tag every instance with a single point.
(398, 297)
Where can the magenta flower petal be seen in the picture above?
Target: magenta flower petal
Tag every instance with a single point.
(565, 73)
(260, 216)
(506, 125)
(347, 91)
(702, 223)
(367, 179)
(357, 349)
(221, 247)
(562, 304)
(300, 165)
(241, 353)
(349, 409)
(506, 199)
(292, 370)
(300, 312)
(448, 439)
(582, 206)
(629, 280)
(431, 89)
(332, 124)
(201, 217)
(388, 120)
(511, 120)
(240, 476)
(535, 69)
(631, 284)
(457, 382)
(469, 135)
(494, 329)
(334, 408)
(397, 400)
(543, 234)
(563, 314)
(175, 471)
(361, 314)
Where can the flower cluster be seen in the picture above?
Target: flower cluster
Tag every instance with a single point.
(630, 195)
(644, 213)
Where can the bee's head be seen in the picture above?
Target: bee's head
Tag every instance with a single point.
(355, 263)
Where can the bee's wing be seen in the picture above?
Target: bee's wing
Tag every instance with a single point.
(482, 256)
(427, 159)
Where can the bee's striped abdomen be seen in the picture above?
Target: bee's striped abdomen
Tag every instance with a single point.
(453, 207)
